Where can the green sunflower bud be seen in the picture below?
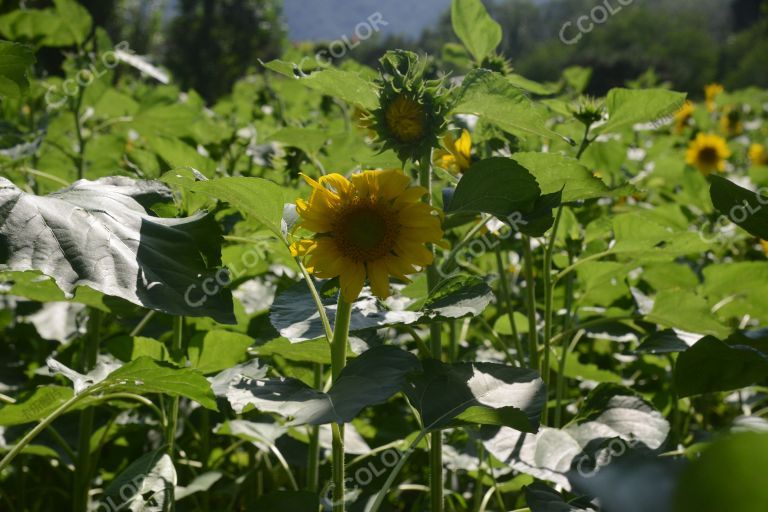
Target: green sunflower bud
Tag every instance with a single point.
(588, 110)
(411, 114)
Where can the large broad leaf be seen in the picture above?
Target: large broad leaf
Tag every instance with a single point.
(98, 234)
(294, 313)
(542, 498)
(15, 61)
(556, 172)
(713, 365)
(216, 350)
(345, 85)
(627, 107)
(257, 198)
(613, 416)
(490, 96)
(369, 379)
(687, 311)
(746, 208)
(476, 29)
(499, 186)
(147, 376)
(67, 24)
(729, 475)
(478, 393)
(147, 485)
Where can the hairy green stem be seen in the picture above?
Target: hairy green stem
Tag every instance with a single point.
(338, 362)
(507, 302)
(313, 456)
(177, 348)
(89, 355)
(530, 289)
(549, 291)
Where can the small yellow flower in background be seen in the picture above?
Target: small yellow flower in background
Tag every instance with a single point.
(758, 155)
(708, 153)
(764, 245)
(683, 115)
(405, 119)
(372, 226)
(730, 122)
(712, 91)
(456, 157)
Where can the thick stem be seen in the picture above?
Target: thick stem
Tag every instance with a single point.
(549, 291)
(507, 298)
(338, 362)
(89, 356)
(313, 457)
(177, 346)
(435, 346)
(530, 288)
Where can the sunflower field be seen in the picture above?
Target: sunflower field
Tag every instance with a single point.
(429, 285)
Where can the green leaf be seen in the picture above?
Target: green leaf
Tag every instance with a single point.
(99, 234)
(476, 29)
(147, 376)
(257, 198)
(444, 392)
(67, 25)
(310, 351)
(627, 107)
(457, 297)
(662, 342)
(575, 369)
(611, 412)
(34, 406)
(309, 140)
(493, 98)
(345, 85)
(217, 350)
(743, 207)
(146, 485)
(74, 18)
(128, 348)
(685, 310)
(729, 475)
(499, 186)
(15, 62)
(713, 365)
(555, 172)
(369, 379)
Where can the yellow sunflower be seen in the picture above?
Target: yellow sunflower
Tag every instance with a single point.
(372, 226)
(712, 91)
(708, 153)
(758, 155)
(456, 157)
(730, 122)
(683, 115)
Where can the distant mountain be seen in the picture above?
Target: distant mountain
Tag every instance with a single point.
(332, 19)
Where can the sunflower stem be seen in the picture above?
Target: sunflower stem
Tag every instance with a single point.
(435, 346)
(338, 361)
(533, 343)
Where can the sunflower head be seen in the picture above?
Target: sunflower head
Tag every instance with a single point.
(588, 110)
(370, 226)
(708, 153)
(411, 112)
(711, 92)
(730, 122)
(497, 63)
(683, 115)
(758, 154)
(456, 156)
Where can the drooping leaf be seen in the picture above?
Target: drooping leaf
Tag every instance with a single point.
(611, 415)
(747, 209)
(444, 392)
(369, 379)
(713, 365)
(144, 375)
(146, 485)
(98, 234)
(476, 29)
(499, 186)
